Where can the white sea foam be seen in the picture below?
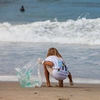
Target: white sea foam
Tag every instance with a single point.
(81, 31)
(76, 80)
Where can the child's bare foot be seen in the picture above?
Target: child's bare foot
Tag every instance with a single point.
(48, 85)
(71, 83)
(60, 83)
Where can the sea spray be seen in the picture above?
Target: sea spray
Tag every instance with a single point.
(80, 31)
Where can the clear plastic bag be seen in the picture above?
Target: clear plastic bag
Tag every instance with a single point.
(31, 75)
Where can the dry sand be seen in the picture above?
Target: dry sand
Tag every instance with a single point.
(13, 91)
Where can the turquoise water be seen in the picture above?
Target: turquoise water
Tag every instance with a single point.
(41, 10)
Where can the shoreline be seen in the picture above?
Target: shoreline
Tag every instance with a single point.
(13, 91)
(14, 78)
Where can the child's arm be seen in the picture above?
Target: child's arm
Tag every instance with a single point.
(48, 63)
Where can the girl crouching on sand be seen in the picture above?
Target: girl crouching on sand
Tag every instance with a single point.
(55, 66)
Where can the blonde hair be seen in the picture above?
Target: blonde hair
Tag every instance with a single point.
(53, 51)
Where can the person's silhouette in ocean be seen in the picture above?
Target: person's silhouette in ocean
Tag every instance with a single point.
(22, 9)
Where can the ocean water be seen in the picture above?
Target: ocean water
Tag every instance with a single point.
(72, 26)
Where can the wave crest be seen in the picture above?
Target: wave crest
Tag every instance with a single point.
(81, 31)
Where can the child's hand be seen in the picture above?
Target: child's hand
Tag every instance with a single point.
(40, 61)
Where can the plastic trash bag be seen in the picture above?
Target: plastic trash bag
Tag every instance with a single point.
(31, 75)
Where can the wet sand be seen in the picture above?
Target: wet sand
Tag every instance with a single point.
(13, 91)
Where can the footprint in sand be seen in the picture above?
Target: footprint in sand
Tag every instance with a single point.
(63, 98)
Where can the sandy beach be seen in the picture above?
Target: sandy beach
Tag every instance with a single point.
(13, 91)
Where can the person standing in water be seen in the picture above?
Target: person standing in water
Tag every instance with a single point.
(55, 66)
(22, 9)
